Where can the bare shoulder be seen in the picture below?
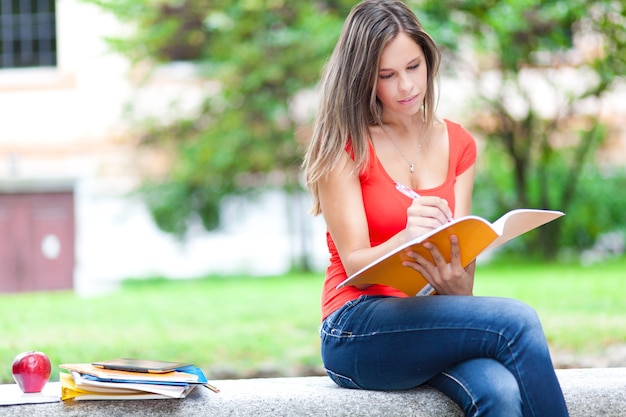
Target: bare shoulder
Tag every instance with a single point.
(377, 135)
(439, 135)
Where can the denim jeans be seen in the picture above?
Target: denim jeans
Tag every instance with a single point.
(489, 355)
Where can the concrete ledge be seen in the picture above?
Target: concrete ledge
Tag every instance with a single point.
(588, 392)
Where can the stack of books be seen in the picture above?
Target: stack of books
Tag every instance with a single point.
(130, 379)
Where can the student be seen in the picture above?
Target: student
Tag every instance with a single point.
(376, 127)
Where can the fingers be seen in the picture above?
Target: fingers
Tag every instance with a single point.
(446, 277)
(455, 265)
(434, 251)
(455, 252)
(431, 207)
(425, 214)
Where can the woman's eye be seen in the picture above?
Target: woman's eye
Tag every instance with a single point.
(412, 67)
(385, 76)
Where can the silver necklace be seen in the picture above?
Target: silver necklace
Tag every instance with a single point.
(419, 146)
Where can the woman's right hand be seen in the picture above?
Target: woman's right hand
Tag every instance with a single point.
(425, 214)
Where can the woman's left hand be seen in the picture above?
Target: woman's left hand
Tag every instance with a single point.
(447, 278)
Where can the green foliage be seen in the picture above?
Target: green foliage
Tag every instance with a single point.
(539, 136)
(511, 32)
(158, 30)
(596, 209)
(263, 53)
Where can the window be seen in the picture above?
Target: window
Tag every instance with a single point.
(27, 33)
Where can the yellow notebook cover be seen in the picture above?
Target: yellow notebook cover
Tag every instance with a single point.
(475, 235)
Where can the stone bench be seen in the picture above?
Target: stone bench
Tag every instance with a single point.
(588, 392)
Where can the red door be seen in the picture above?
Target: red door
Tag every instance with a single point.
(36, 241)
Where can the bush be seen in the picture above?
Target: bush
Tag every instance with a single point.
(596, 208)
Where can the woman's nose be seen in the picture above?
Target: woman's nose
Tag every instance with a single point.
(405, 83)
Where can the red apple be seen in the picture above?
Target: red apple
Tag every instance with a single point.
(31, 371)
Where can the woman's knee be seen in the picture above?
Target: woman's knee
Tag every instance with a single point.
(481, 387)
(503, 395)
(516, 309)
(496, 386)
(526, 313)
(517, 316)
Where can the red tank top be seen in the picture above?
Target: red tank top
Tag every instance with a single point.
(385, 209)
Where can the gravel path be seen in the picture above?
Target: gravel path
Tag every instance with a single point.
(613, 356)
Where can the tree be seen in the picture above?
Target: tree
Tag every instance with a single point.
(540, 70)
(245, 137)
(264, 53)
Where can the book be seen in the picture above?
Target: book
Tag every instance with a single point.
(84, 381)
(88, 382)
(475, 236)
(130, 376)
(11, 394)
(75, 386)
(140, 365)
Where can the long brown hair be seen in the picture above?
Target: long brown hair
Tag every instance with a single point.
(348, 104)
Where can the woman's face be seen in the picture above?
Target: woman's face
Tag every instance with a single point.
(402, 77)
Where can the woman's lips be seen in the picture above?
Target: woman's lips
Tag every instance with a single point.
(409, 100)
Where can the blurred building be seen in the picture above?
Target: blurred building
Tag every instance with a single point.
(68, 164)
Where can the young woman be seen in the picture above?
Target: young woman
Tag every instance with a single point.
(377, 127)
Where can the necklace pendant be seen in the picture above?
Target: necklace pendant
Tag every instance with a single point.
(412, 168)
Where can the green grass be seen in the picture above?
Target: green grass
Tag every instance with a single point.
(236, 323)
(583, 309)
(245, 324)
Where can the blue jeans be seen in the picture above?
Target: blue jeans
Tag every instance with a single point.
(489, 355)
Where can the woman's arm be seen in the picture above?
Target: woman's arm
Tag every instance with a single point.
(342, 207)
(451, 278)
(341, 201)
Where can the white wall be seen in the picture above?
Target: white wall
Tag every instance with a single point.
(117, 239)
(68, 123)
